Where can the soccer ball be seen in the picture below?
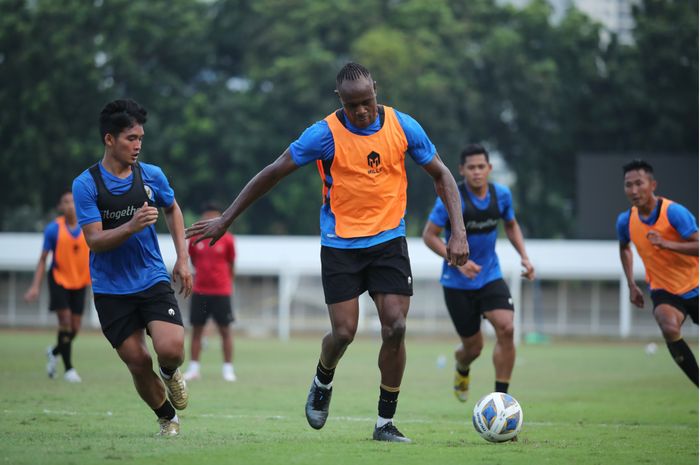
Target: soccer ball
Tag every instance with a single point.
(497, 417)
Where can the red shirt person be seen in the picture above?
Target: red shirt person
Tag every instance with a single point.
(213, 287)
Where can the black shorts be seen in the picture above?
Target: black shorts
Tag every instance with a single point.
(217, 306)
(381, 269)
(689, 307)
(121, 315)
(467, 307)
(60, 297)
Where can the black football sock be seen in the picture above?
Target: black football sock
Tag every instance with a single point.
(168, 372)
(64, 339)
(502, 386)
(685, 359)
(323, 374)
(165, 411)
(462, 371)
(388, 398)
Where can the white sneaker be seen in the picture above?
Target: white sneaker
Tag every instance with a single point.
(228, 374)
(50, 363)
(192, 374)
(72, 376)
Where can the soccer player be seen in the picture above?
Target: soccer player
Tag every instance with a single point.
(665, 235)
(359, 151)
(477, 288)
(211, 296)
(68, 277)
(116, 202)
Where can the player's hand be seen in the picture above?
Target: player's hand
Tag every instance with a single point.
(143, 218)
(470, 269)
(528, 269)
(212, 229)
(182, 272)
(636, 296)
(457, 249)
(31, 294)
(655, 238)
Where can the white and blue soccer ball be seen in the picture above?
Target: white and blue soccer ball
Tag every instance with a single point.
(497, 417)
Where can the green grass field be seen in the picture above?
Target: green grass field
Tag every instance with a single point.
(583, 403)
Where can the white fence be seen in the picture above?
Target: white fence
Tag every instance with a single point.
(580, 288)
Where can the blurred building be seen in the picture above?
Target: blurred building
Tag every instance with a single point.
(614, 15)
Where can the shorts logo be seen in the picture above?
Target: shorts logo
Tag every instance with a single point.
(510, 300)
(171, 312)
(373, 161)
(409, 280)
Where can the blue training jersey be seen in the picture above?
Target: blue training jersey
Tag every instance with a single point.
(680, 218)
(138, 263)
(316, 143)
(482, 247)
(51, 238)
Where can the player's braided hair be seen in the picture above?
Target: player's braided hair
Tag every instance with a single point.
(352, 72)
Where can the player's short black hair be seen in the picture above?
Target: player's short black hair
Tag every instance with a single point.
(120, 114)
(352, 72)
(473, 149)
(636, 165)
(211, 207)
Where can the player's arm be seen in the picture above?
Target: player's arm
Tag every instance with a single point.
(457, 249)
(627, 260)
(515, 236)
(261, 183)
(686, 247)
(176, 225)
(100, 240)
(33, 291)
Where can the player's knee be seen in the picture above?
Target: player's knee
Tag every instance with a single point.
(505, 331)
(344, 335)
(395, 331)
(139, 363)
(670, 330)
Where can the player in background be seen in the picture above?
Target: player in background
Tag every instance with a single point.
(68, 277)
(116, 202)
(477, 288)
(665, 235)
(211, 296)
(360, 152)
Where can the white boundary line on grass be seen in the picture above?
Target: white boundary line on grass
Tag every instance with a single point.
(360, 419)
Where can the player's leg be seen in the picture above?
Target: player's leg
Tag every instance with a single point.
(58, 303)
(344, 316)
(158, 308)
(496, 304)
(504, 350)
(169, 345)
(223, 316)
(343, 281)
(393, 310)
(670, 319)
(198, 318)
(227, 370)
(390, 283)
(76, 302)
(466, 318)
(135, 355)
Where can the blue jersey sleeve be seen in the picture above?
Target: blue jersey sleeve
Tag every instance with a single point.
(505, 202)
(85, 198)
(682, 220)
(50, 237)
(623, 227)
(315, 143)
(153, 176)
(439, 216)
(420, 148)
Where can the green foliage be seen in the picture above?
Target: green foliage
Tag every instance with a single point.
(230, 83)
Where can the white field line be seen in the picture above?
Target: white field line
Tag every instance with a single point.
(543, 424)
